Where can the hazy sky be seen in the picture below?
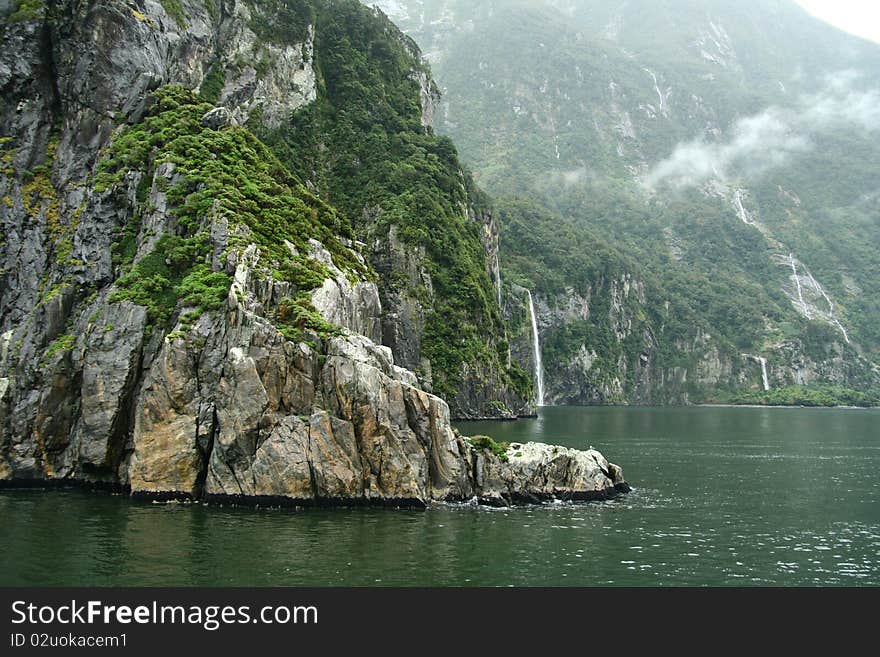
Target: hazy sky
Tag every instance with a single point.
(861, 17)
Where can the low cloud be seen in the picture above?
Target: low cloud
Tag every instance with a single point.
(757, 143)
(574, 177)
(569, 178)
(771, 138)
(861, 108)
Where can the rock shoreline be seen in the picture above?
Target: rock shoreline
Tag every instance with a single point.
(506, 499)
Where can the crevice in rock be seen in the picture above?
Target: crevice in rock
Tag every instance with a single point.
(123, 424)
(47, 48)
(206, 453)
(313, 482)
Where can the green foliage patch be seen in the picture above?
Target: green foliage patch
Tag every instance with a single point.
(174, 8)
(812, 395)
(27, 10)
(363, 146)
(491, 445)
(220, 175)
(64, 343)
(212, 85)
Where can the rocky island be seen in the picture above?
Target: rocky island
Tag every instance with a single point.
(238, 265)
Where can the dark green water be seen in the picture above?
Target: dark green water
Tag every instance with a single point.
(722, 496)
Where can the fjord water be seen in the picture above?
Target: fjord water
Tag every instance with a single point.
(723, 496)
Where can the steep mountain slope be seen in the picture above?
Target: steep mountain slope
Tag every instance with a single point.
(726, 151)
(323, 84)
(366, 145)
(185, 306)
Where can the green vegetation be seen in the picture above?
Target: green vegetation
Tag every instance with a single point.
(170, 275)
(296, 315)
(212, 7)
(281, 21)
(27, 10)
(64, 343)
(226, 175)
(40, 200)
(487, 443)
(363, 146)
(212, 85)
(562, 114)
(499, 408)
(7, 154)
(548, 255)
(175, 10)
(812, 395)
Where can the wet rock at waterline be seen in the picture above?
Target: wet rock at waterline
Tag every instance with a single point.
(536, 472)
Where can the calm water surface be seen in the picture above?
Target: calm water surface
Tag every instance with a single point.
(723, 496)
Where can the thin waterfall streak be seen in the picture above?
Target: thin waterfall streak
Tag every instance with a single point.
(536, 346)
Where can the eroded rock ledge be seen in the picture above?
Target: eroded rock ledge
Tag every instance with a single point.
(285, 424)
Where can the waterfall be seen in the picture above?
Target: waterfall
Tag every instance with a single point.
(536, 346)
(764, 376)
(797, 280)
(824, 294)
(498, 280)
(741, 209)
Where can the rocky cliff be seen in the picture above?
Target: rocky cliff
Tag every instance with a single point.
(601, 347)
(612, 333)
(181, 315)
(367, 145)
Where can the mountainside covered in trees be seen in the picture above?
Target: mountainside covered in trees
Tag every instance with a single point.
(691, 187)
(213, 215)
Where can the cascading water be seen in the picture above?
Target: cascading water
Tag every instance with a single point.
(800, 291)
(764, 376)
(498, 281)
(536, 346)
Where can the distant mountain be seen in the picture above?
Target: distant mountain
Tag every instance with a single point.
(713, 166)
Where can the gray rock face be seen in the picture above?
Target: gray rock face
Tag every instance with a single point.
(407, 295)
(232, 410)
(352, 305)
(407, 292)
(429, 96)
(224, 406)
(289, 82)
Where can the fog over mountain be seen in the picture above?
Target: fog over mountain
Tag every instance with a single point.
(771, 138)
(714, 167)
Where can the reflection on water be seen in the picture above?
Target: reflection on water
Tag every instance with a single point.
(722, 496)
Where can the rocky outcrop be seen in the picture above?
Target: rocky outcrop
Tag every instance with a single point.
(258, 74)
(231, 410)
(281, 391)
(407, 295)
(791, 362)
(583, 337)
(535, 472)
(351, 304)
(429, 97)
